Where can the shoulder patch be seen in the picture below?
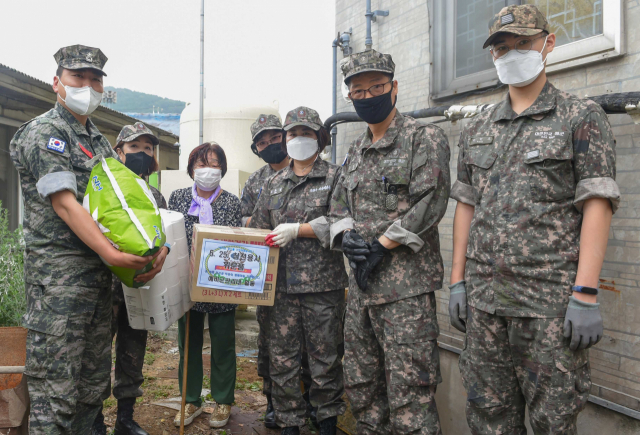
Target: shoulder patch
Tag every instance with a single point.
(56, 145)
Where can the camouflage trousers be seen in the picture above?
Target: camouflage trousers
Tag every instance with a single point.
(314, 319)
(392, 365)
(263, 314)
(68, 356)
(131, 345)
(509, 363)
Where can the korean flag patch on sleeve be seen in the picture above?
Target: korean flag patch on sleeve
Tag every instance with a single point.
(56, 145)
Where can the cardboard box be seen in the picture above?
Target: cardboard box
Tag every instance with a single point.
(232, 266)
(164, 299)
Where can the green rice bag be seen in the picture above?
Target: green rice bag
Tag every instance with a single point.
(124, 209)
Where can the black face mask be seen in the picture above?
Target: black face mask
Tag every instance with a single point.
(374, 110)
(139, 163)
(273, 153)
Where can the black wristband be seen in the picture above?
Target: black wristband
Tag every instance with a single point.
(585, 290)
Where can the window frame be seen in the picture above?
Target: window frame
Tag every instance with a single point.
(444, 84)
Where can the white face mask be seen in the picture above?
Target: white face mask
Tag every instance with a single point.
(302, 148)
(207, 179)
(520, 69)
(82, 101)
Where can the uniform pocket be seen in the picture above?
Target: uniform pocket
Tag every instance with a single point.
(571, 381)
(415, 359)
(550, 168)
(47, 345)
(276, 202)
(479, 159)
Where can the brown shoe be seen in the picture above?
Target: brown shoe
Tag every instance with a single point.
(220, 415)
(190, 412)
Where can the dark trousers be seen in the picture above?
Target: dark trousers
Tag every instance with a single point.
(131, 345)
(222, 331)
(316, 320)
(263, 315)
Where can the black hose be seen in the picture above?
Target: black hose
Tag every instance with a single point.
(611, 103)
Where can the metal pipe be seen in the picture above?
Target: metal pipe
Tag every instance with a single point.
(201, 72)
(334, 101)
(11, 370)
(368, 42)
(611, 104)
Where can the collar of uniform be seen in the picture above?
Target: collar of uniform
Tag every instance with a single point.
(544, 104)
(319, 170)
(78, 128)
(384, 145)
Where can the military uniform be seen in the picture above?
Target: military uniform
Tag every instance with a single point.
(309, 294)
(68, 287)
(528, 176)
(131, 343)
(397, 187)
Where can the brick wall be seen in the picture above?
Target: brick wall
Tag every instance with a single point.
(615, 361)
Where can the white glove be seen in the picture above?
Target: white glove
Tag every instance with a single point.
(285, 233)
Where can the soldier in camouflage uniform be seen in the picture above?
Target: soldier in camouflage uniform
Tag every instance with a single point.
(267, 136)
(134, 146)
(532, 171)
(391, 196)
(68, 287)
(311, 278)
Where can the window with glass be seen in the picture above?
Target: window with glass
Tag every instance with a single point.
(586, 30)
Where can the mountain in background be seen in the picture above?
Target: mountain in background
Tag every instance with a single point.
(139, 102)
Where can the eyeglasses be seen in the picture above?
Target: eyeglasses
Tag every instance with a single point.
(374, 91)
(522, 46)
(274, 139)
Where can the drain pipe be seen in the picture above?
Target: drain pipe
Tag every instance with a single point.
(368, 42)
(371, 18)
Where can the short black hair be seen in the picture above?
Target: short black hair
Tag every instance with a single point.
(348, 81)
(59, 71)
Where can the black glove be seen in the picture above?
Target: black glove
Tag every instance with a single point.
(354, 247)
(365, 268)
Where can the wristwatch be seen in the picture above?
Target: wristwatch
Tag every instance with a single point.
(585, 290)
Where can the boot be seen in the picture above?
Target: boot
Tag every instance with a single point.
(291, 430)
(311, 411)
(99, 428)
(124, 423)
(328, 426)
(270, 415)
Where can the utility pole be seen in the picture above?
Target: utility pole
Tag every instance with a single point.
(201, 71)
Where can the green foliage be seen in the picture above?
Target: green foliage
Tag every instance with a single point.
(139, 102)
(149, 358)
(109, 402)
(13, 302)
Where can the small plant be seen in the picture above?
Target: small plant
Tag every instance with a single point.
(109, 403)
(149, 358)
(13, 302)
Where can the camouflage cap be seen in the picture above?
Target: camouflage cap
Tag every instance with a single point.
(303, 116)
(265, 122)
(132, 132)
(365, 61)
(81, 56)
(526, 20)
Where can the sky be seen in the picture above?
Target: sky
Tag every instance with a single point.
(256, 51)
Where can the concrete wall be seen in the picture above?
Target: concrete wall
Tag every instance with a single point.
(615, 361)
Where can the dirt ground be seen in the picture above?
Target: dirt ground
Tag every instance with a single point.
(161, 383)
